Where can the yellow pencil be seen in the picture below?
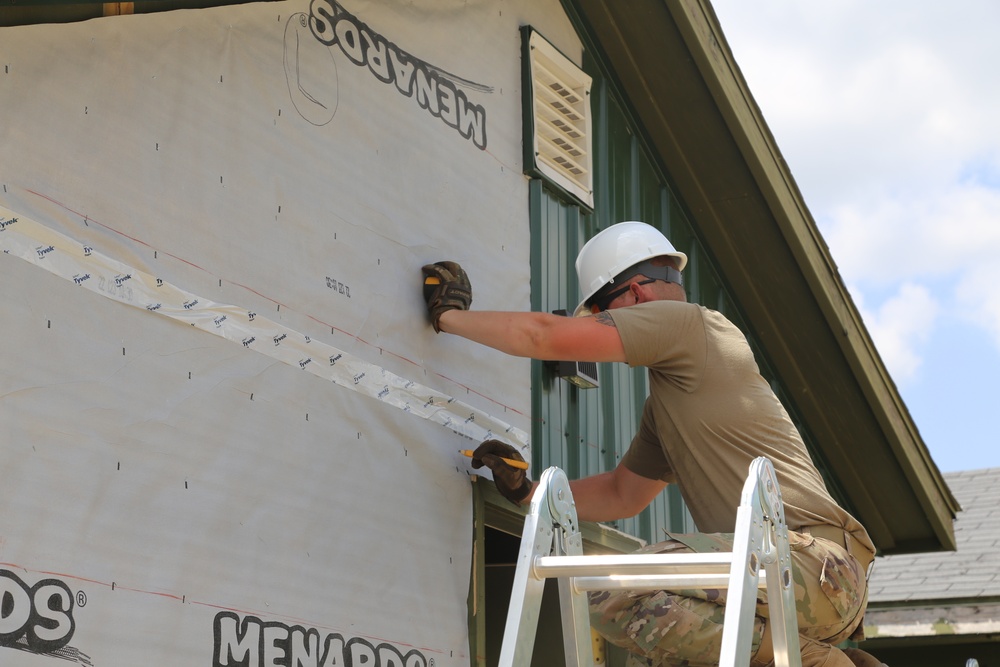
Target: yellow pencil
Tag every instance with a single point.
(511, 462)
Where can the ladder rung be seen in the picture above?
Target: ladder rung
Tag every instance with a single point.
(655, 582)
(549, 567)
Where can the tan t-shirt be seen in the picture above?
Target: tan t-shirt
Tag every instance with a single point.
(710, 414)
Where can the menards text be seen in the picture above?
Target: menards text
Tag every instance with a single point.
(436, 91)
(256, 643)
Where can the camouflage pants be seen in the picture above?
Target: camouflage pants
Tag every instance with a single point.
(684, 627)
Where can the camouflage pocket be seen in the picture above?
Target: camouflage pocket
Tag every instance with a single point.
(677, 630)
(839, 581)
(651, 622)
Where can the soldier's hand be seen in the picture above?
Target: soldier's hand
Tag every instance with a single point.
(512, 483)
(446, 287)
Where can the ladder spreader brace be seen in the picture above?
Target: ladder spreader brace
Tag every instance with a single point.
(552, 547)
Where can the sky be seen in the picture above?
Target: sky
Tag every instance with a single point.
(888, 115)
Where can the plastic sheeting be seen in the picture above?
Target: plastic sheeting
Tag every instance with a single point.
(229, 435)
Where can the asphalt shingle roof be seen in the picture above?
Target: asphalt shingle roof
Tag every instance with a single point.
(972, 571)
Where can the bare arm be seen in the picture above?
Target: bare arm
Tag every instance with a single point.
(609, 496)
(616, 494)
(612, 495)
(539, 335)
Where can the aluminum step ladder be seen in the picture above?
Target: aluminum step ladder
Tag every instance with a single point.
(552, 547)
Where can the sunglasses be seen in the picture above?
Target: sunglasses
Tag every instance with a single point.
(600, 302)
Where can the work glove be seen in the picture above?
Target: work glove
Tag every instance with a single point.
(446, 287)
(512, 483)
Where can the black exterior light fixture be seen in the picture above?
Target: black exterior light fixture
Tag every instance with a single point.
(582, 374)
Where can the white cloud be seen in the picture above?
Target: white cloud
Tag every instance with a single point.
(871, 100)
(979, 297)
(937, 234)
(900, 328)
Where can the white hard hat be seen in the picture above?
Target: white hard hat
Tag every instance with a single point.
(616, 249)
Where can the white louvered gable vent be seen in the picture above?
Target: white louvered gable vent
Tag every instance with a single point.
(560, 109)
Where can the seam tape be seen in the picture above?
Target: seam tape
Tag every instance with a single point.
(80, 264)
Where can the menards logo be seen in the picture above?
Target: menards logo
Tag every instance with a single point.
(39, 616)
(256, 643)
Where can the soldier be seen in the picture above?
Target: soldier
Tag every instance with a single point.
(708, 415)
